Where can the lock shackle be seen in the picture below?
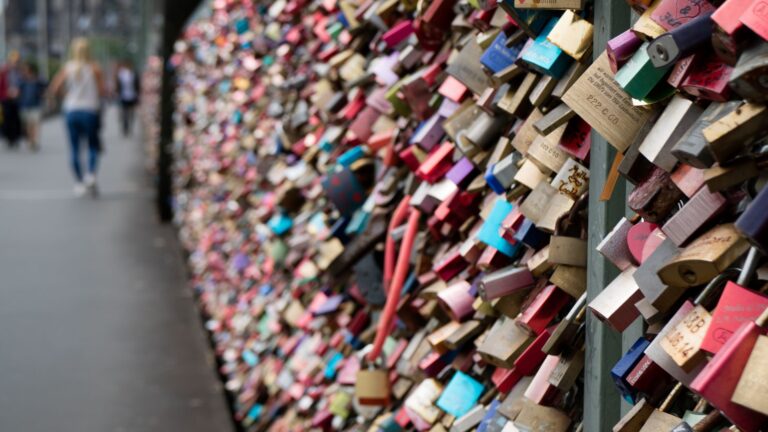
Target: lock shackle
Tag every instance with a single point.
(577, 307)
(749, 267)
(717, 283)
(395, 273)
(567, 222)
(367, 362)
(671, 398)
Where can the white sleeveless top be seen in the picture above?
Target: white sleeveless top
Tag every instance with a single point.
(82, 92)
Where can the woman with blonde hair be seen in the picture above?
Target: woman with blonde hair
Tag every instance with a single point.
(82, 83)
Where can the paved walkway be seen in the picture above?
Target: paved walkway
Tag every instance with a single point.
(98, 331)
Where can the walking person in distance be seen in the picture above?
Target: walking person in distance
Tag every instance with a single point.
(82, 84)
(128, 88)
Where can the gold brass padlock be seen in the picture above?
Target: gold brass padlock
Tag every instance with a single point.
(372, 383)
(569, 244)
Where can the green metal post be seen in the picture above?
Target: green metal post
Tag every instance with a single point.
(602, 404)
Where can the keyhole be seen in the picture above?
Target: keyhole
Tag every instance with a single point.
(661, 52)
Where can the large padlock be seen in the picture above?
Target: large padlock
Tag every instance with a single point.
(736, 305)
(705, 257)
(717, 382)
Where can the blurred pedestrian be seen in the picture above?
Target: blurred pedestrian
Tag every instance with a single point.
(10, 78)
(128, 87)
(82, 83)
(31, 92)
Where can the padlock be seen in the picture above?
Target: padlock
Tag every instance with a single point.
(693, 148)
(615, 305)
(572, 34)
(568, 245)
(655, 197)
(734, 132)
(681, 41)
(705, 257)
(660, 357)
(536, 417)
(624, 367)
(499, 56)
(677, 118)
(542, 309)
(702, 208)
(504, 343)
(683, 342)
(567, 371)
(748, 78)
(545, 57)
(754, 17)
(719, 379)
(671, 14)
(752, 387)
(659, 420)
(753, 223)
(614, 246)
(565, 332)
(504, 282)
(572, 280)
(460, 395)
(372, 385)
(680, 70)
(638, 77)
(621, 48)
(708, 79)
(634, 419)
(736, 305)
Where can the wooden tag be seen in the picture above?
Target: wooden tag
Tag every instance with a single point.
(599, 100)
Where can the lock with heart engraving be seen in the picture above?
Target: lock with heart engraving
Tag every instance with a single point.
(719, 380)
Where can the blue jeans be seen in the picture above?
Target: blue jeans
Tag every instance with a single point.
(79, 124)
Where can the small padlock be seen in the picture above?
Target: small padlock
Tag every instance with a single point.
(661, 421)
(565, 332)
(568, 245)
(683, 342)
(372, 386)
(615, 305)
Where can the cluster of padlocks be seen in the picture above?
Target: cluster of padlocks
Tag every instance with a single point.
(385, 205)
